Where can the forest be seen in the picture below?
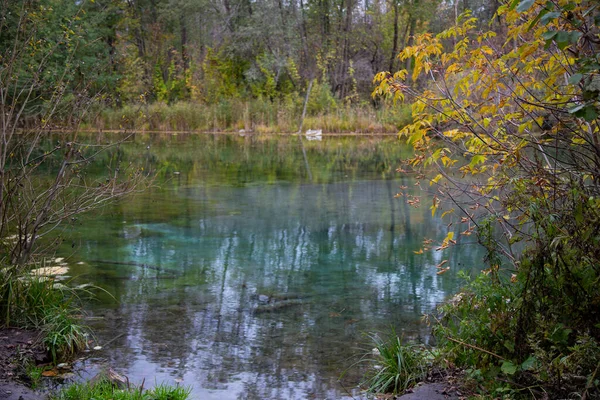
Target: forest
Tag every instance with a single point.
(243, 63)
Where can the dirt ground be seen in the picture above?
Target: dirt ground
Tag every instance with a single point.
(17, 345)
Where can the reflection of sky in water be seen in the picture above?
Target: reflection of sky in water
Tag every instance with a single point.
(333, 260)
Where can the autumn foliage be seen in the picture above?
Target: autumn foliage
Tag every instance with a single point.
(509, 120)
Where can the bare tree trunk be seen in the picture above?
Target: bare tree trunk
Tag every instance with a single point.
(184, 53)
(412, 24)
(395, 39)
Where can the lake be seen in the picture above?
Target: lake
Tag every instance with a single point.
(237, 275)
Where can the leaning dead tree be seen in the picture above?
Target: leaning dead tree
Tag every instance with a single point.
(43, 178)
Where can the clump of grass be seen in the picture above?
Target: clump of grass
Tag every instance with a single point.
(396, 367)
(63, 335)
(34, 374)
(106, 390)
(37, 302)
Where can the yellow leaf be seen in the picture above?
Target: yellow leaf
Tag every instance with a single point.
(451, 211)
(435, 179)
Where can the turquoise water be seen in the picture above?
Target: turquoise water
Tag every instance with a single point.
(238, 276)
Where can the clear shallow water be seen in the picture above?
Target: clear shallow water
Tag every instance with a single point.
(248, 282)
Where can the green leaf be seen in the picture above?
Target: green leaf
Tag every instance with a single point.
(537, 19)
(585, 111)
(560, 335)
(525, 5)
(549, 35)
(590, 113)
(576, 109)
(508, 368)
(529, 364)
(549, 17)
(563, 39)
(513, 4)
(575, 79)
(574, 36)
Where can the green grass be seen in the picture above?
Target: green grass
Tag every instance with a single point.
(396, 367)
(36, 303)
(105, 390)
(34, 374)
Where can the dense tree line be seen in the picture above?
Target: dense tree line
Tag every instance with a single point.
(207, 50)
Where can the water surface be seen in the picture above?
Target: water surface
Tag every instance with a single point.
(238, 276)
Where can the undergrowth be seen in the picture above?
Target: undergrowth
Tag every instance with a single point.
(480, 332)
(531, 330)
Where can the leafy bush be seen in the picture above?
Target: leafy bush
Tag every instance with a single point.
(480, 330)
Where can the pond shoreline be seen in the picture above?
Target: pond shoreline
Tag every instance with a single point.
(225, 132)
(15, 344)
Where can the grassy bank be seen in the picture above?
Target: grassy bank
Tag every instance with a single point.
(258, 115)
(30, 298)
(106, 390)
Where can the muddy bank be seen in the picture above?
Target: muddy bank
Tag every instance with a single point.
(16, 346)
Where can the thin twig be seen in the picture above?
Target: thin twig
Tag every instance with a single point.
(590, 383)
(474, 347)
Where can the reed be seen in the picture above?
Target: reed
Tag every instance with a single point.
(257, 115)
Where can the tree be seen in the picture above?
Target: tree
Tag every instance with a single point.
(509, 120)
(47, 78)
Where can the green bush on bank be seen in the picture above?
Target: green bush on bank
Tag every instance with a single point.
(481, 331)
(478, 332)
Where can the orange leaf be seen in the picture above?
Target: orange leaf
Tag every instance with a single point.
(50, 373)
